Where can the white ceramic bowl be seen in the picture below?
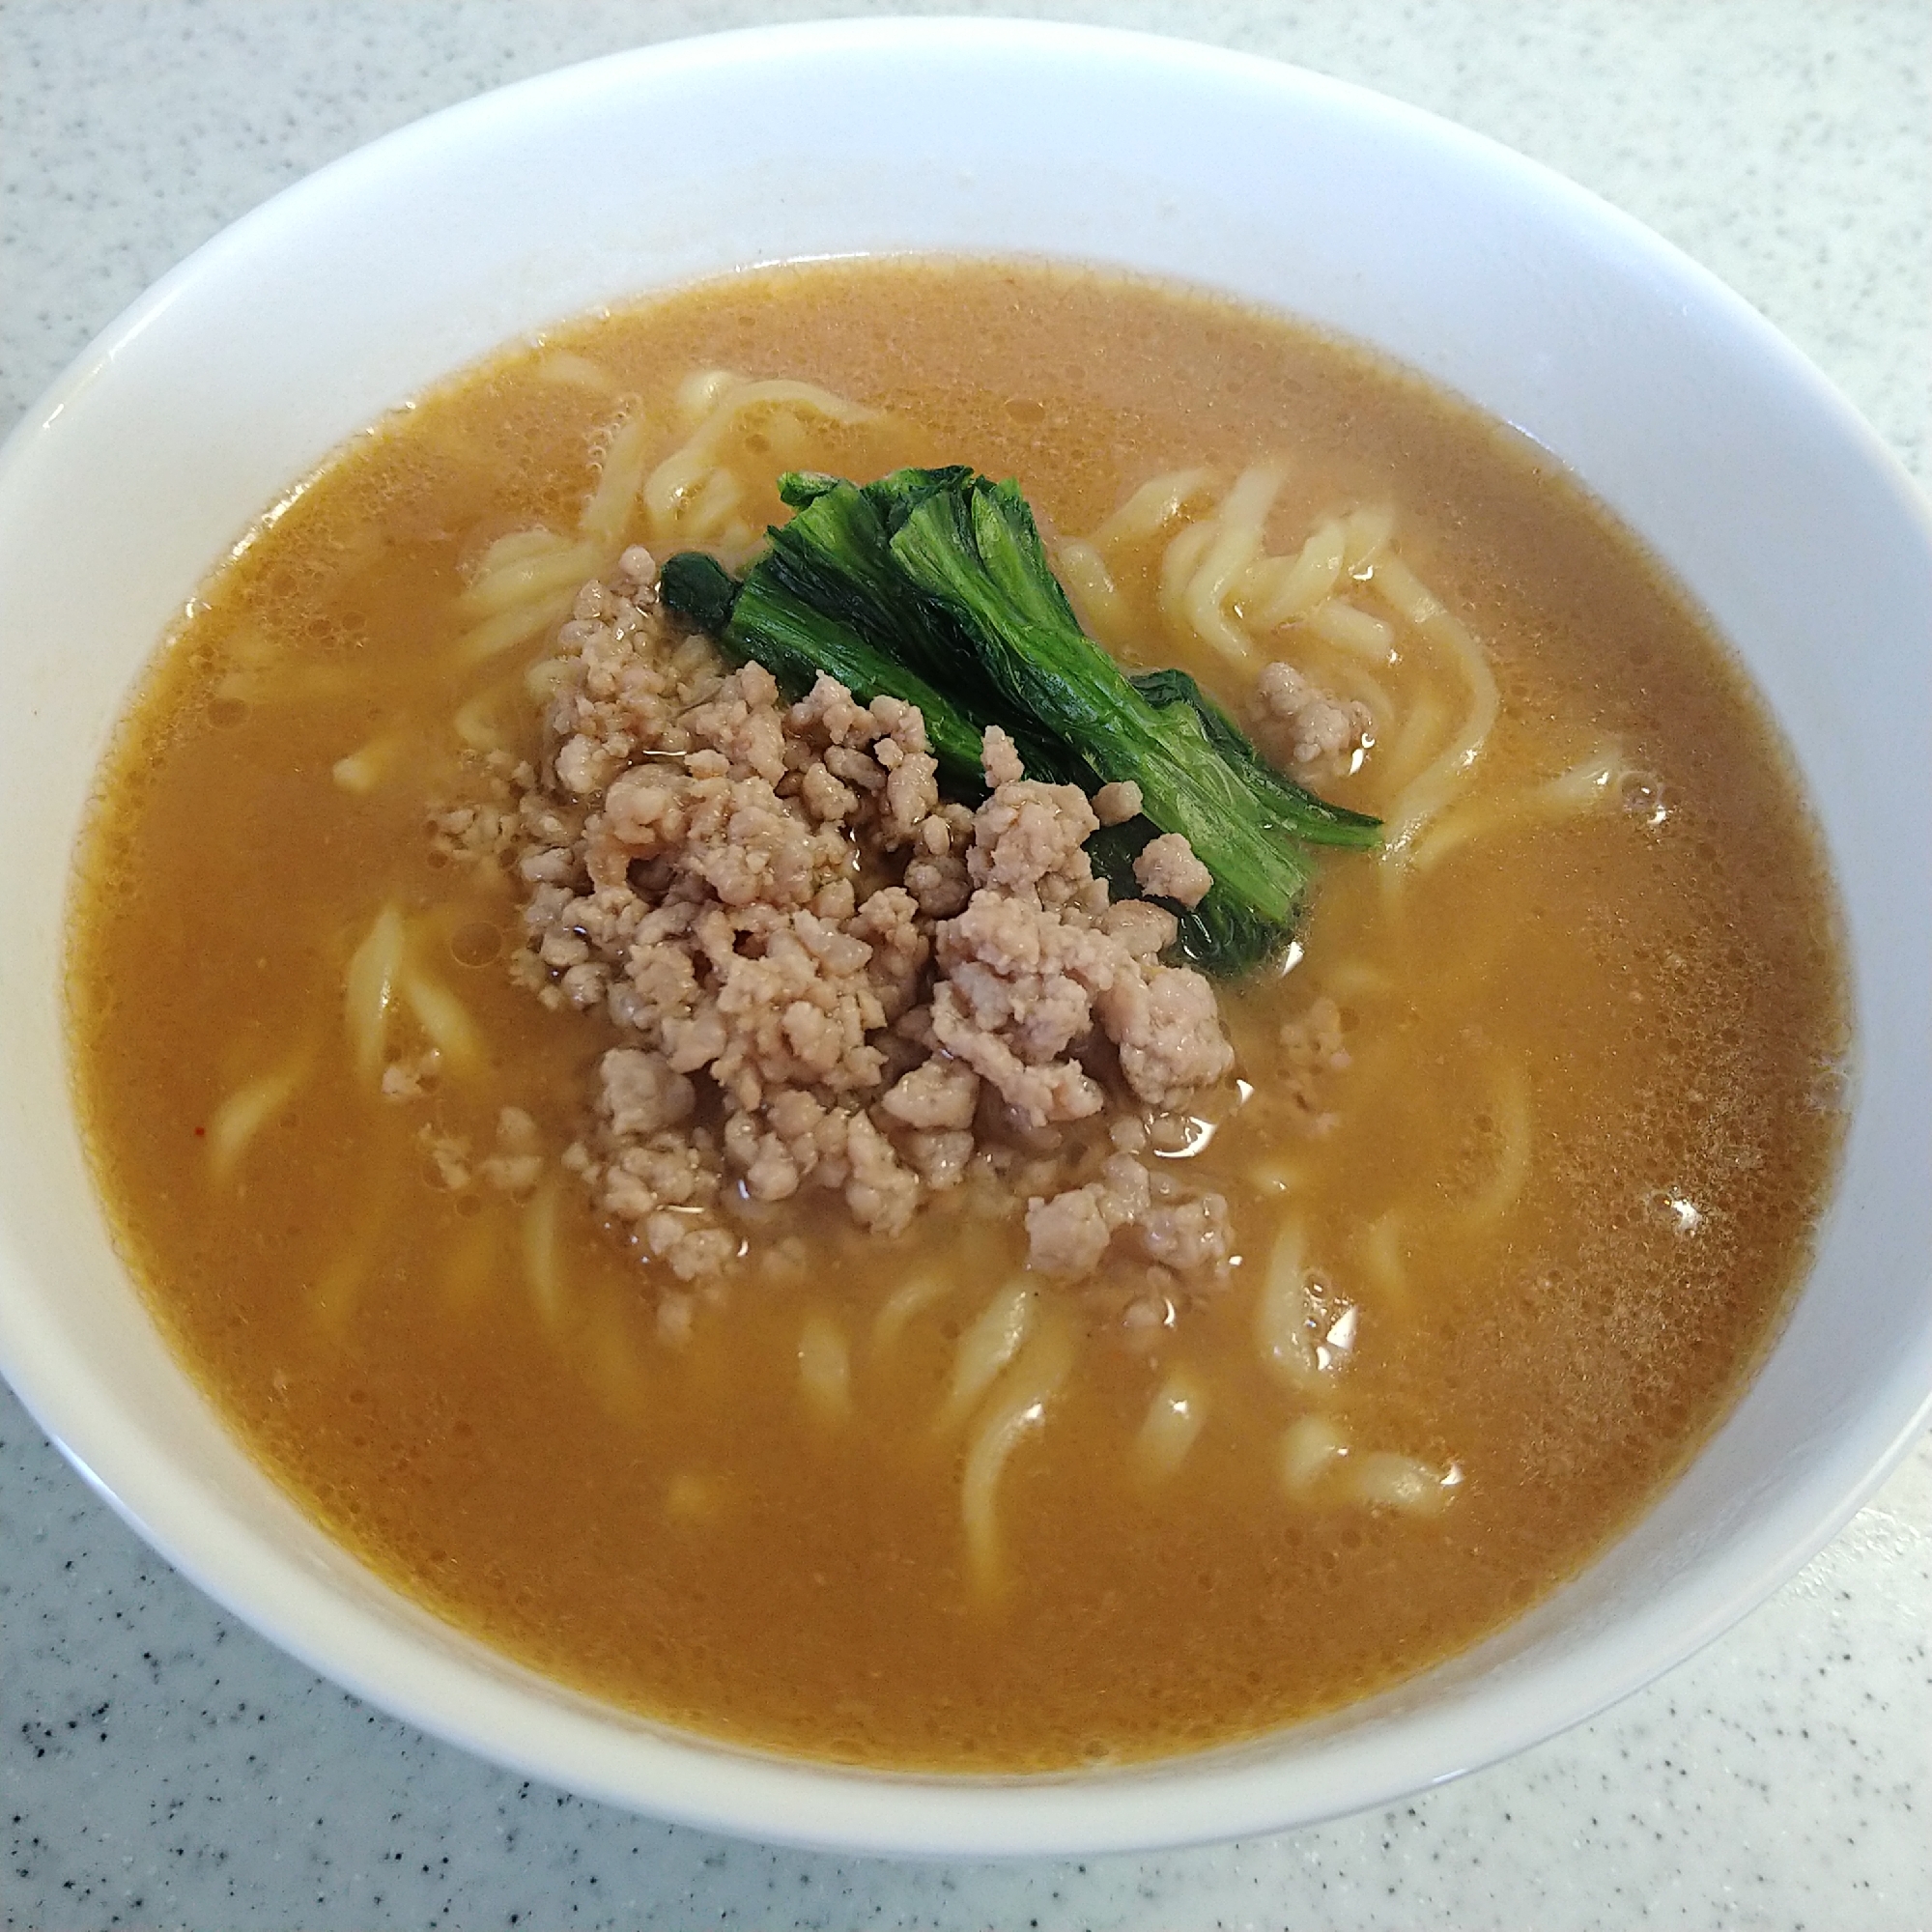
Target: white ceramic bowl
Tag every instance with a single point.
(1675, 403)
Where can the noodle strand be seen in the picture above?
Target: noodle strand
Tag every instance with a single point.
(985, 1348)
(825, 1367)
(539, 1250)
(369, 991)
(904, 1302)
(1284, 1315)
(1173, 1419)
(1020, 1405)
(249, 1108)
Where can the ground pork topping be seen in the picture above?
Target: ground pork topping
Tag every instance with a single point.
(821, 975)
(1303, 725)
(1313, 1048)
(1070, 1234)
(1168, 868)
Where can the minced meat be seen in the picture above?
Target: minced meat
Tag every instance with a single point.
(821, 974)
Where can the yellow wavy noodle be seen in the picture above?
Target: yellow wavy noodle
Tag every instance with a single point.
(993, 1340)
(1430, 790)
(1275, 1174)
(825, 1367)
(1282, 1309)
(781, 441)
(475, 719)
(1510, 1105)
(1089, 587)
(533, 570)
(910, 1298)
(1318, 1463)
(443, 1017)
(369, 992)
(1173, 1419)
(1421, 727)
(568, 370)
(470, 1265)
(1178, 562)
(516, 625)
(1278, 589)
(710, 504)
(1019, 1405)
(1236, 544)
(517, 547)
(698, 393)
(365, 768)
(528, 580)
(256, 670)
(608, 513)
(1310, 1448)
(673, 489)
(1348, 629)
(337, 1292)
(1586, 785)
(611, 1361)
(1380, 1247)
(1385, 1480)
(1591, 781)
(248, 1109)
(1356, 978)
(536, 1240)
(1368, 531)
(1151, 507)
(542, 680)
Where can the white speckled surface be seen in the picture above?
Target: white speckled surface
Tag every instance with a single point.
(162, 1766)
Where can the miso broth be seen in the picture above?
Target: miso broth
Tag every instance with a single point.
(1550, 1196)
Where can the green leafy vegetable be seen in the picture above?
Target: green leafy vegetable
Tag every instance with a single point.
(1314, 820)
(933, 585)
(795, 641)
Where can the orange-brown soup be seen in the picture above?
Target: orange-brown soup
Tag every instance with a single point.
(1550, 1208)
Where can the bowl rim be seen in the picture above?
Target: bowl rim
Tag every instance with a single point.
(693, 1780)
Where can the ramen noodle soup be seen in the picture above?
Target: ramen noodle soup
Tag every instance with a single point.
(767, 1238)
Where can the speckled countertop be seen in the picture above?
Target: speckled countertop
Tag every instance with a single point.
(162, 1766)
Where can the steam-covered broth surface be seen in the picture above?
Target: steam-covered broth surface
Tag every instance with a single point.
(1517, 1159)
